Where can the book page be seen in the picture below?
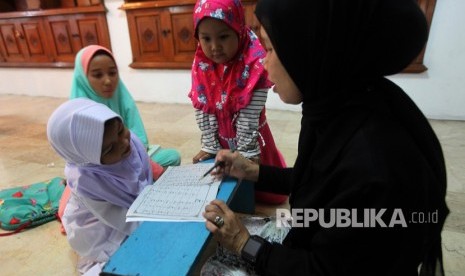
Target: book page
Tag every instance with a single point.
(180, 194)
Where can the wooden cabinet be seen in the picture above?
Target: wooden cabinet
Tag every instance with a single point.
(70, 33)
(50, 38)
(162, 32)
(23, 40)
(162, 37)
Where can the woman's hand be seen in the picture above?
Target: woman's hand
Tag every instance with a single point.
(225, 226)
(201, 156)
(236, 165)
(256, 159)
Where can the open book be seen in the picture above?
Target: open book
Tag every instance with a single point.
(180, 194)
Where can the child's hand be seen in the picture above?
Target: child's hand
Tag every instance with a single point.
(201, 156)
(255, 159)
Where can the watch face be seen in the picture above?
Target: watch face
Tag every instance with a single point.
(252, 246)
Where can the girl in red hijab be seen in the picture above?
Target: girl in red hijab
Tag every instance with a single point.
(229, 88)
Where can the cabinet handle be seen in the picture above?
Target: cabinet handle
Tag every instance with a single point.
(18, 34)
(165, 32)
(75, 35)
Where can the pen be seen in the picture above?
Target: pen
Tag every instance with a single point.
(216, 165)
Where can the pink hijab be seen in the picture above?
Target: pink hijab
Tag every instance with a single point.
(227, 86)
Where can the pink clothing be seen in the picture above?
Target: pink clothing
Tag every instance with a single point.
(226, 90)
(157, 170)
(227, 86)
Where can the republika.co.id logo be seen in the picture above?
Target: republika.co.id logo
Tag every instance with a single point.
(357, 218)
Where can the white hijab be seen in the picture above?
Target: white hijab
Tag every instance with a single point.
(75, 131)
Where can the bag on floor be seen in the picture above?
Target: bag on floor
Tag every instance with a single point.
(31, 205)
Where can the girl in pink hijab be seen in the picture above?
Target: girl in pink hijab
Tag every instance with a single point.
(229, 88)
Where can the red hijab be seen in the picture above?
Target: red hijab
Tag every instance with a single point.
(227, 86)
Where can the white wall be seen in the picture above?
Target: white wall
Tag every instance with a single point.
(439, 92)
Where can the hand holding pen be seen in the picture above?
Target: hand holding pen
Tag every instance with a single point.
(216, 165)
(234, 164)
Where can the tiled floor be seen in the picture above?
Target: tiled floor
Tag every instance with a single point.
(25, 157)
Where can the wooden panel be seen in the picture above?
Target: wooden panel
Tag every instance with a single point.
(169, 41)
(148, 34)
(67, 3)
(89, 31)
(161, 37)
(26, 5)
(35, 40)
(10, 42)
(23, 40)
(87, 2)
(61, 35)
(183, 36)
(51, 38)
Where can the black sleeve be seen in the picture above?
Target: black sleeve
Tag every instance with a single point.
(343, 251)
(272, 179)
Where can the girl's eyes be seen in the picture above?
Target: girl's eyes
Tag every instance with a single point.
(101, 74)
(221, 37)
(224, 36)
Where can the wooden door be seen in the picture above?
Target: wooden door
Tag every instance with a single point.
(182, 35)
(145, 29)
(23, 40)
(71, 33)
(63, 38)
(92, 29)
(10, 42)
(162, 37)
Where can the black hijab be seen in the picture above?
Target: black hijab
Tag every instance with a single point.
(342, 41)
(337, 52)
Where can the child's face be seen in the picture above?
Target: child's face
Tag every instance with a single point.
(103, 75)
(218, 41)
(283, 83)
(116, 142)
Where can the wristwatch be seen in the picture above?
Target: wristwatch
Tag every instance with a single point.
(251, 248)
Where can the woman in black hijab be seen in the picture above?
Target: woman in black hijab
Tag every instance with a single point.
(364, 146)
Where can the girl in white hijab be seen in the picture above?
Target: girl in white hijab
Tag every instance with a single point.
(107, 166)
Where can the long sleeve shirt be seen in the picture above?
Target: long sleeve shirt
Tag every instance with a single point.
(246, 123)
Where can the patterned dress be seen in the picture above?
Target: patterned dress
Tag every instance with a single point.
(230, 98)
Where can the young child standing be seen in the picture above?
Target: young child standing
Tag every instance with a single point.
(96, 77)
(107, 166)
(229, 87)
